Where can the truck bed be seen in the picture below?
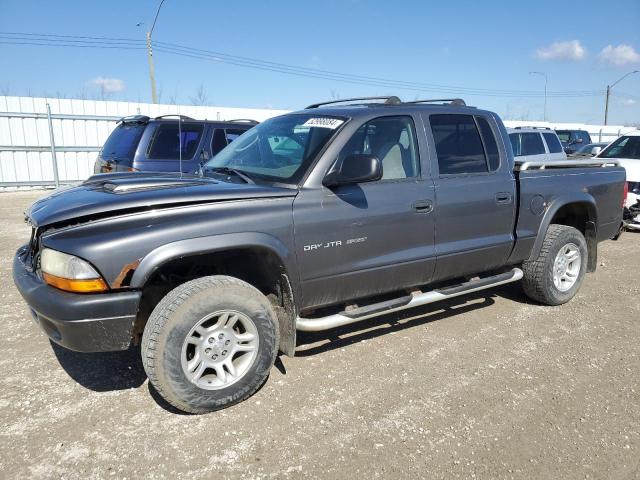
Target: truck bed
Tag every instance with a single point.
(544, 187)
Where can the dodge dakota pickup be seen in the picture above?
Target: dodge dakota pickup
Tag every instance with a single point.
(329, 216)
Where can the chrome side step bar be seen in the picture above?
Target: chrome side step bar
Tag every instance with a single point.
(402, 303)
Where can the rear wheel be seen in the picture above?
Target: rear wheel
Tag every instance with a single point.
(210, 343)
(556, 275)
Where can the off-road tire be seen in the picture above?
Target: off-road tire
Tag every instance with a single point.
(177, 313)
(538, 274)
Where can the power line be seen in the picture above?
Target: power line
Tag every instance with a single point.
(78, 41)
(219, 56)
(120, 47)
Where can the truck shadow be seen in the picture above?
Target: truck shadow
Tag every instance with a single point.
(103, 372)
(314, 343)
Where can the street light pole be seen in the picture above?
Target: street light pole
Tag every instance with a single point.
(609, 87)
(545, 92)
(154, 96)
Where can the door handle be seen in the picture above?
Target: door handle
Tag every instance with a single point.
(423, 206)
(503, 198)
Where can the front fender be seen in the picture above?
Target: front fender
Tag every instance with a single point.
(210, 244)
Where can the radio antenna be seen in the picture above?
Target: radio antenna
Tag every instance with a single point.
(180, 143)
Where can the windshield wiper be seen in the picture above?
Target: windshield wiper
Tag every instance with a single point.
(228, 170)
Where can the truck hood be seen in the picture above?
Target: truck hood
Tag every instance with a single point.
(114, 194)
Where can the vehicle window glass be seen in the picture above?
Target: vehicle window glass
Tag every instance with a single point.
(532, 144)
(515, 144)
(279, 149)
(564, 135)
(586, 138)
(586, 148)
(490, 145)
(123, 141)
(392, 140)
(458, 145)
(552, 142)
(165, 143)
(624, 147)
(233, 133)
(218, 140)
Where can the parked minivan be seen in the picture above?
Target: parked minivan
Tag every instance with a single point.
(169, 143)
(535, 144)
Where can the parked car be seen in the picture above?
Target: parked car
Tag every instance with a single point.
(169, 143)
(626, 150)
(590, 149)
(572, 139)
(310, 221)
(535, 144)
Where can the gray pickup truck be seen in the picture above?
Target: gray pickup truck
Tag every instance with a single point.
(312, 220)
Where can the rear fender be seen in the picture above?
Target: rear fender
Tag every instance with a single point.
(588, 225)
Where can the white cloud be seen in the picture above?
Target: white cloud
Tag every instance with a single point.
(629, 101)
(619, 56)
(569, 50)
(109, 85)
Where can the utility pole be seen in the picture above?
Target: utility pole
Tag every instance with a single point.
(609, 87)
(154, 97)
(544, 116)
(152, 77)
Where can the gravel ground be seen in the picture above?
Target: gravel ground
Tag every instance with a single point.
(490, 386)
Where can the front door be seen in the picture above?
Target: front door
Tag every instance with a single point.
(359, 240)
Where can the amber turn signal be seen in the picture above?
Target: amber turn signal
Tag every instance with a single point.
(77, 286)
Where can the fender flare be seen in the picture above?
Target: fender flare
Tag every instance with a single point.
(562, 201)
(210, 244)
(219, 243)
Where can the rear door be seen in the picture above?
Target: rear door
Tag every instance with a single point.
(554, 147)
(475, 194)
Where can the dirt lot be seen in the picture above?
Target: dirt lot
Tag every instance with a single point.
(491, 386)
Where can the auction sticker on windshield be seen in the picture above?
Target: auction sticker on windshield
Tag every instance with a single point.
(323, 122)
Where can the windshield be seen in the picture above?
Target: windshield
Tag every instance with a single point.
(624, 147)
(123, 141)
(279, 149)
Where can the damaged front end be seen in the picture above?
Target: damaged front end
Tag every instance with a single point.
(631, 216)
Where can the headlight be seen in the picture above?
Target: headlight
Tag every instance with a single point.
(70, 273)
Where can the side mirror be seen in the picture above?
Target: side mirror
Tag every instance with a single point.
(355, 169)
(577, 140)
(596, 150)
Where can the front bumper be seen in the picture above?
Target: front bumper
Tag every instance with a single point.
(82, 322)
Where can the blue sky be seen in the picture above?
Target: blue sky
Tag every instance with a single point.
(489, 45)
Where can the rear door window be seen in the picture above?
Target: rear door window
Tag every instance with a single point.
(123, 141)
(564, 135)
(223, 137)
(532, 144)
(168, 141)
(586, 138)
(490, 145)
(552, 142)
(516, 144)
(458, 144)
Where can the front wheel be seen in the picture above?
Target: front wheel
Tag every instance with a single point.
(556, 275)
(210, 343)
